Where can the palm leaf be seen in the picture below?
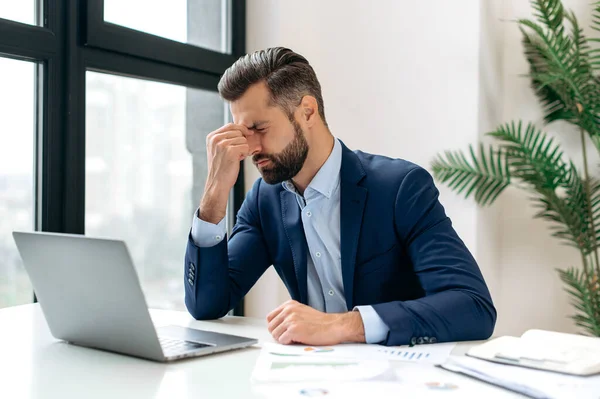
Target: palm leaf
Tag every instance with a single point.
(561, 61)
(554, 107)
(537, 160)
(595, 53)
(485, 175)
(581, 49)
(585, 297)
(576, 201)
(590, 85)
(596, 17)
(561, 68)
(595, 205)
(533, 156)
(549, 12)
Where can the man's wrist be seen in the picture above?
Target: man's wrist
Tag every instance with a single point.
(351, 328)
(213, 206)
(205, 214)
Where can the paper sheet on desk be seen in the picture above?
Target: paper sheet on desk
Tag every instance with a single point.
(429, 354)
(285, 368)
(530, 382)
(379, 390)
(413, 380)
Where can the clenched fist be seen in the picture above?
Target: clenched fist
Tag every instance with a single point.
(293, 322)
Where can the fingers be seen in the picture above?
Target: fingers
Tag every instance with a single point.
(288, 338)
(277, 321)
(278, 310)
(242, 150)
(275, 312)
(214, 139)
(226, 132)
(234, 127)
(232, 142)
(288, 329)
(280, 329)
(284, 320)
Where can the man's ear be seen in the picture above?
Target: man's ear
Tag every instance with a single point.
(310, 109)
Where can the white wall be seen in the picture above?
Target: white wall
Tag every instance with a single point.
(410, 79)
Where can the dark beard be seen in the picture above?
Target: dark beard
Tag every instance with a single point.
(288, 162)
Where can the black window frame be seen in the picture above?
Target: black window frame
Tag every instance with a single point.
(121, 39)
(74, 39)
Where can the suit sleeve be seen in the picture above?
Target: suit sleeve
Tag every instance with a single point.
(216, 278)
(457, 305)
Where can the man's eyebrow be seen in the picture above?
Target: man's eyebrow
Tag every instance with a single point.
(257, 124)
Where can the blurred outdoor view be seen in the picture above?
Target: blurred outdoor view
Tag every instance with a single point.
(140, 173)
(145, 151)
(17, 184)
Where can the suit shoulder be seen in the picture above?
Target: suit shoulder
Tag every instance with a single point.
(384, 167)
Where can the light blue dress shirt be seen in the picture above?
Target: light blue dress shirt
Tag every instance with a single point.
(320, 207)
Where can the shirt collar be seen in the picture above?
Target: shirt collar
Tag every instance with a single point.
(327, 177)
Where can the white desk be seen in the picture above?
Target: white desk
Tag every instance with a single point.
(35, 365)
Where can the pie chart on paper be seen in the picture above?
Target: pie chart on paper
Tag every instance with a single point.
(310, 349)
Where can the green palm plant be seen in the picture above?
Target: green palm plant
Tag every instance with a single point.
(564, 70)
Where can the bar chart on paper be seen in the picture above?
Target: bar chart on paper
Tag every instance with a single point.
(435, 353)
(431, 353)
(405, 354)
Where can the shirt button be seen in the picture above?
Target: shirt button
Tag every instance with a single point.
(218, 238)
(318, 254)
(308, 213)
(331, 292)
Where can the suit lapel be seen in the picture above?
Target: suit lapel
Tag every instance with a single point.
(352, 204)
(294, 230)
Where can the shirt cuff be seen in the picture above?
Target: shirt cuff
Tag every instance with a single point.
(375, 329)
(205, 234)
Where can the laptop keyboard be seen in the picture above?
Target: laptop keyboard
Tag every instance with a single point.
(170, 345)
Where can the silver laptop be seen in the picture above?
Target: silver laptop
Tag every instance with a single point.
(90, 294)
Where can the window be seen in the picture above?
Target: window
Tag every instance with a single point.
(17, 177)
(202, 23)
(91, 143)
(145, 171)
(24, 11)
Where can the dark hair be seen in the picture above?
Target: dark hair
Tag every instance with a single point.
(288, 76)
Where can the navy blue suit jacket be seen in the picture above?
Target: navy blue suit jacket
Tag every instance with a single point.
(400, 254)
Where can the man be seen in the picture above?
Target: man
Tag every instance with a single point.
(361, 241)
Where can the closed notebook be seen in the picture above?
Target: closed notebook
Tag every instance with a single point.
(544, 350)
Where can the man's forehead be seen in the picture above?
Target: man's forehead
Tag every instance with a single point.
(250, 118)
(253, 107)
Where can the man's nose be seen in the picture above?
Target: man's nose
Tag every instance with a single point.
(254, 144)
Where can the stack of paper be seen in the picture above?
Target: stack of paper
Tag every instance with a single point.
(530, 382)
(544, 350)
